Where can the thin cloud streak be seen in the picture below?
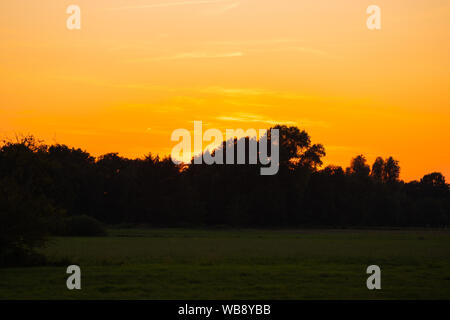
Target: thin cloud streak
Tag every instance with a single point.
(261, 46)
(221, 10)
(169, 4)
(256, 42)
(200, 55)
(238, 92)
(249, 117)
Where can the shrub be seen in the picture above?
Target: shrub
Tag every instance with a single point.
(84, 226)
(22, 224)
(11, 256)
(56, 225)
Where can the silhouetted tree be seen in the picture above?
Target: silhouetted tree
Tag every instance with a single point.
(391, 170)
(25, 206)
(296, 148)
(377, 169)
(434, 184)
(434, 180)
(359, 167)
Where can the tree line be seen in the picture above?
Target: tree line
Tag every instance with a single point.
(41, 184)
(57, 179)
(56, 189)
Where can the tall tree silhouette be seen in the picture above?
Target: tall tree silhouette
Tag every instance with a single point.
(359, 167)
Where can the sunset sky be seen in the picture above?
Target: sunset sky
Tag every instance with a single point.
(139, 69)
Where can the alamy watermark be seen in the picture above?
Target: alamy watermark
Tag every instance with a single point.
(74, 20)
(214, 154)
(374, 20)
(74, 280)
(374, 280)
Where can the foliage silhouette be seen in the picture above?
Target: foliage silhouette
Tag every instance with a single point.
(38, 182)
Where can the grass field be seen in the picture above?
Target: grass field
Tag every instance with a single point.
(240, 264)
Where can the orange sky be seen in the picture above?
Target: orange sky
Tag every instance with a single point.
(139, 69)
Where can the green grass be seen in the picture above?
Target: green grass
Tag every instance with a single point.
(240, 264)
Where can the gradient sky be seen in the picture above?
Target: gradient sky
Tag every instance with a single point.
(139, 69)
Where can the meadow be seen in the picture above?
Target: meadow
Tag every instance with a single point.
(239, 264)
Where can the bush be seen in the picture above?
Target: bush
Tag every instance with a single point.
(56, 225)
(22, 224)
(20, 257)
(84, 226)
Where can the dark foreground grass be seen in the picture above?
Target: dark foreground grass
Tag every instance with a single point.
(247, 264)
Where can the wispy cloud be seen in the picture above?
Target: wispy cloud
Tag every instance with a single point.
(300, 49)
(250, 117)
(256, 42)
(273, 45)
(239, 92)
(234, 91)
(200, 55)
(169, 4)
(246, 104)
(308, 50)
(221, 9)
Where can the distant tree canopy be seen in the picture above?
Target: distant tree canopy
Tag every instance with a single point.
(359, 167)
(38, 182)
(296, 148)
(386, 171)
